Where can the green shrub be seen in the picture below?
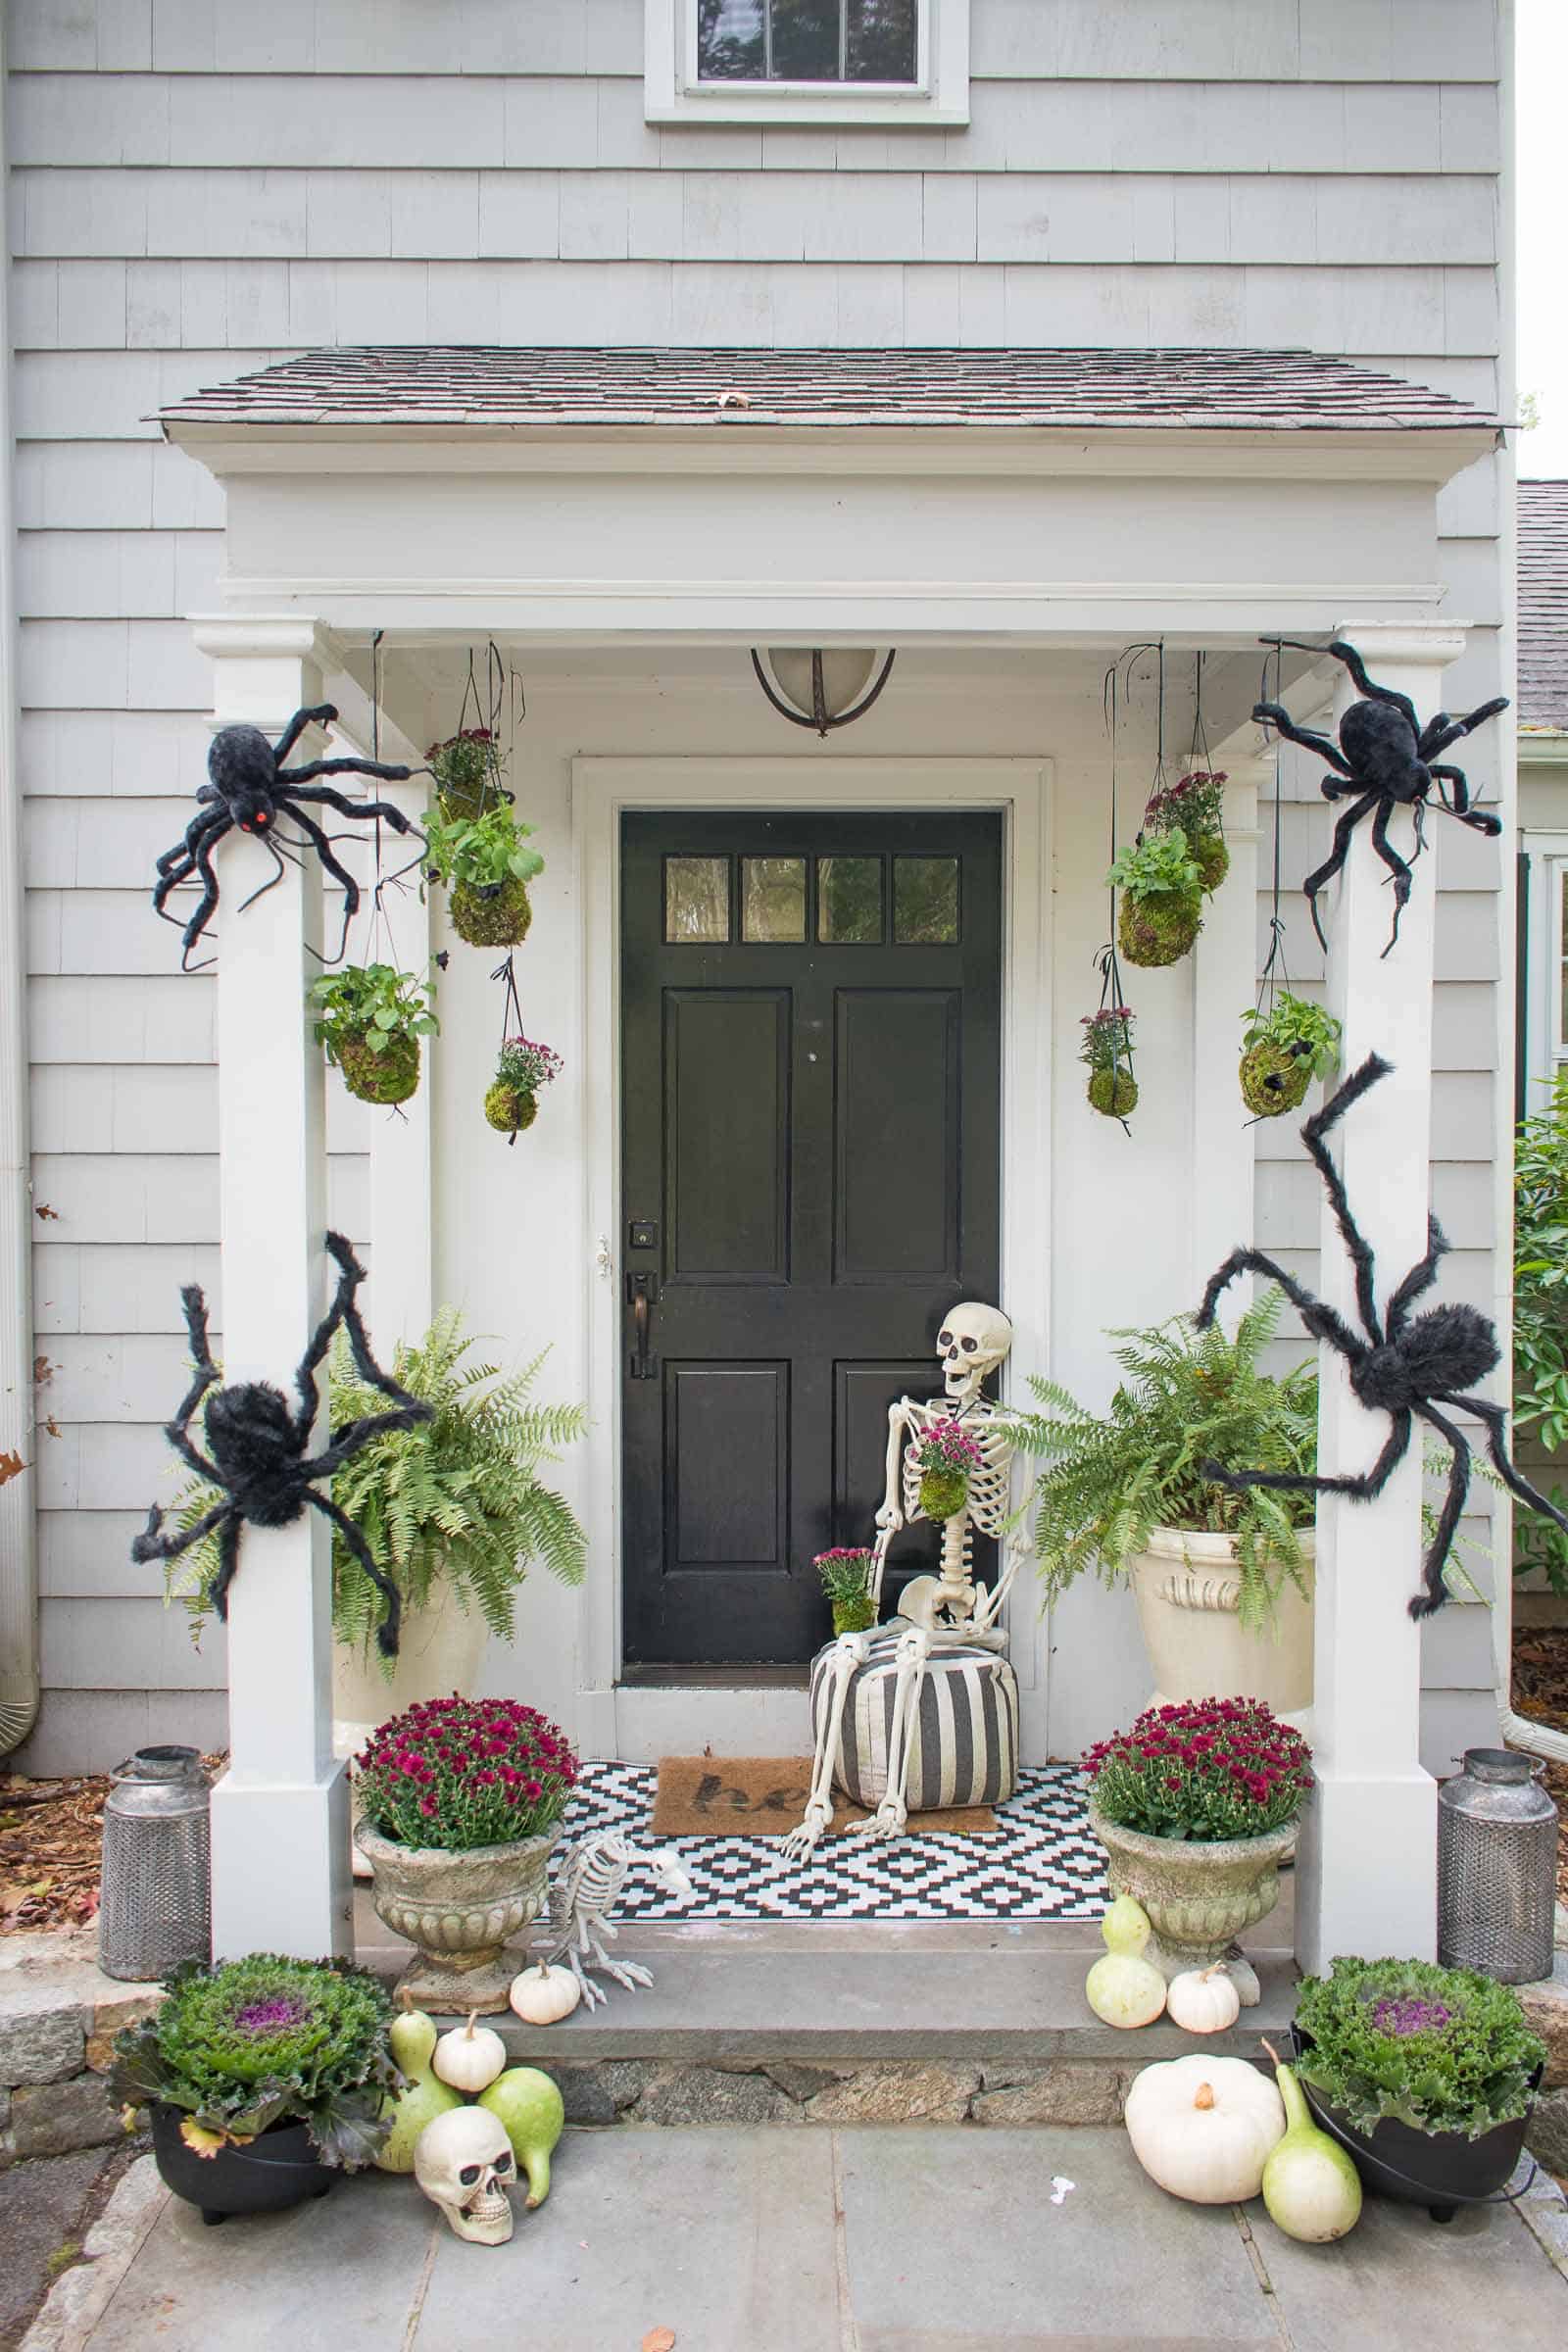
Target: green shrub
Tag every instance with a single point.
(1441, 2049)
(1540, 1316)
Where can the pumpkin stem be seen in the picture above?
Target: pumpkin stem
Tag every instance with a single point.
(1205, 2095)
(467, 2034)
(1216, 1968)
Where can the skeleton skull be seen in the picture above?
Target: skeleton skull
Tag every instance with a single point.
(669, 1876)
(463, 2163)
(973, 1342)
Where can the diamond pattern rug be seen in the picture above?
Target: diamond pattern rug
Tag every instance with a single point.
(1041, 1863)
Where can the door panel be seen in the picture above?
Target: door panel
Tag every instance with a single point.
(810, 1136)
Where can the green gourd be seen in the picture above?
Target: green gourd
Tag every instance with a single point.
(412, 2037)
(529, 2107)
(1310, 2184)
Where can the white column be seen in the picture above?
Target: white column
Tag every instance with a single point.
(280, 1846)
(1367, 1870)
(1224, 978)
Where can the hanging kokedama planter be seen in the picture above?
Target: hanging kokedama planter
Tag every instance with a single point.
(947, 1458)
(1161, 908)
(1107, 1048)
(371, 1020)
(1196, 804)
(492, 914)
(512, 1099)
(467, 770)
(487, 866)
(1283, 1050)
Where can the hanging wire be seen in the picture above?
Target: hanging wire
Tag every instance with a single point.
(1199, 757)
(510, 1010)
(1276, 971)
(1111, 988)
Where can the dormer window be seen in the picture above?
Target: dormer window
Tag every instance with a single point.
(882, 62)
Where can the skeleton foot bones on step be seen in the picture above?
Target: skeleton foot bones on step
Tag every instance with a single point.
(586, 1890)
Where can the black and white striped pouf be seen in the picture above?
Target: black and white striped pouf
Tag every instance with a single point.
(965, 1745)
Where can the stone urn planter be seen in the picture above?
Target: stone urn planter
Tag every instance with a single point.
(460, 1909)
(1188, 1588)
(1199, 1896)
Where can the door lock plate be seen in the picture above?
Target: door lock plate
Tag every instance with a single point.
(642, 1235)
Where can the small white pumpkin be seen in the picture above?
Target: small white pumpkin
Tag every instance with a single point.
(1123, 1990)
(543, 1996)
(1204, 2000)
(1204, 2128)
(470, 2057)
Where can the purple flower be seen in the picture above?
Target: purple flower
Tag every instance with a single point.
(269, 2017)
(1402, 2015)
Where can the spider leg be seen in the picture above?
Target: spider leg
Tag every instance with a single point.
(1364, 684)
(228, 1562)
(349, 1275)
(1362, 1487)
(276, 856)
(1480, 820)
(207, 906)
(206, 1372)
(1438, 733)
(1496, 1426)
(1426, 1603)
(288, 777)
(324, 850)
(319, 714)
(386, 1633)
(206, 820)
(1443, 775)
(1321, 1320)
(153, 1544)
(1420, 1278)
(1395, 865)
(1343, 1098)
(1274, 715)
(359, 1339)
(1333, 862)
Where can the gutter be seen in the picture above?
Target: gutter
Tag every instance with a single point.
(19, 1565)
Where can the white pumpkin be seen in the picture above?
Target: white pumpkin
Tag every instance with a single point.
(543, 1996)
(1123, 1990)
(1204, 2128)
(1204, 2000)
(470, 2057)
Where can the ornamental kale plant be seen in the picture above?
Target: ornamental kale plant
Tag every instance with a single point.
(264, 2040)
(1441, 2049)
(457, 1773)
(1208, 1769)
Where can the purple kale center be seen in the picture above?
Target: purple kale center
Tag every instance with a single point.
(269, 2017)
(1396, 2015)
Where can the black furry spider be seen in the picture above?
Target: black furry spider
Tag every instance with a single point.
(1389, 761)
(249, 787)
(257, 1444)
(1408, 1364)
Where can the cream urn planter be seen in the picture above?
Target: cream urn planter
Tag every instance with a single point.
(1199, 1896)
(459, 1910)
(1188, 1589)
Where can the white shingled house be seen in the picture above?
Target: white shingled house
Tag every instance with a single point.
(628, 336)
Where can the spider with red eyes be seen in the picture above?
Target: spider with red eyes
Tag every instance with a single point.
(249, 788)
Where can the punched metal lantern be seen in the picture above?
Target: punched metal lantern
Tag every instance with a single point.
(1496, 1867)
(155, 1907)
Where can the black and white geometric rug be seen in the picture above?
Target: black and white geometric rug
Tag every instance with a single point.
(1040, 1863)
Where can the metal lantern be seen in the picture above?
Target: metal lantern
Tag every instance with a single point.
(155, 1909)
(1496, 1867)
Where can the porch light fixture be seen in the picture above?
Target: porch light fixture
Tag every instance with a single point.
(818, 689)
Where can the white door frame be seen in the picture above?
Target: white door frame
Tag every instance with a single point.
(601, 789)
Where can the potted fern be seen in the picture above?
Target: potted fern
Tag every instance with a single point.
(1283, 1050)
(1223, 1577)
(1161, 887)
(487, 866)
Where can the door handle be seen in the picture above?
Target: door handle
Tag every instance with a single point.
(641, 1291)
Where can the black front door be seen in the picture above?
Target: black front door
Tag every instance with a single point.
(812, 1104)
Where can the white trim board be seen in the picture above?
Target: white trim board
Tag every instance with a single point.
(612, 1718)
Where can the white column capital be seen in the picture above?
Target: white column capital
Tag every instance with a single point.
(1405, 644)
(248, 636)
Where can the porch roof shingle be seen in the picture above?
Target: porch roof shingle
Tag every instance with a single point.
(529, 387)
(1544, 605)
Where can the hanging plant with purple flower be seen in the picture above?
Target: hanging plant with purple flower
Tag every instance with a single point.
(1107, 1048)
(457, 1773)
(1210, 1769)
(522, 1067)
(1195, 806)
(947, 1457)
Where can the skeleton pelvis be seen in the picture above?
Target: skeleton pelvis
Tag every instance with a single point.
(965, 1747)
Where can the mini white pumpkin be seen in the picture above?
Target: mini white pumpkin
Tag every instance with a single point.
(543, 1996)
(1204, 2128)
(470, 2057)
(1123, 1990)
(1204, 2000)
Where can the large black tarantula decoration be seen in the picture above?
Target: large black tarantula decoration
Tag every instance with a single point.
(1388, 761)
(1406, 1365)
(258, 1446)
(250, 788)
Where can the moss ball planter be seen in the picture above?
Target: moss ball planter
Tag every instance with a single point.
(1160, 930)
(1113, 1093)
(494, 914)
(391, 1075)
(508, 1109)
(854, 1616)
(1274, 1081)
(942, 1492)
(1211, 859)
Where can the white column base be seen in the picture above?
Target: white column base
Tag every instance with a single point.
(272, 1891)
(1366, 1870)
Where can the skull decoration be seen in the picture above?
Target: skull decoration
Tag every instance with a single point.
(973, 1342)
(463, 2163)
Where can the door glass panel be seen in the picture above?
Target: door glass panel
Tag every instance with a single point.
(849, 900)
(926, 900)
(772, 899)
(696, 899)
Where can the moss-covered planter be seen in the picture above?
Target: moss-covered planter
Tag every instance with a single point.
(509, 1109)
(1113, 1091)
(1274, 1081)
(944, 1493)
(391, 1075)
(1160, 929)
(493, 915)
(854, 1616)
(1211, 859)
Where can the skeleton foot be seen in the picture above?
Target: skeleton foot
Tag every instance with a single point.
(886, 1822)
(630, 1973)
(592, 1994)
(801, 1844)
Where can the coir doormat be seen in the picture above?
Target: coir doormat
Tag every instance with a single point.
(764, 1797)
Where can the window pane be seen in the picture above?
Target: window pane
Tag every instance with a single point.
(805, 40)
(772, 898)
(926, 900)
(808, 41)
(882, 40)
(849, 900)
(730, 40)
(696, 899)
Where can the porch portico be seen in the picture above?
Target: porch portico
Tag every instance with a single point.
(625, 538)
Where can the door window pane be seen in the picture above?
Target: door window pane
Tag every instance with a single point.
(772, 899)
(808, 41)
(696, 899)
(849, 900)
(926, 900)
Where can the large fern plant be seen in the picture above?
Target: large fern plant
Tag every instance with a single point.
(458, 1500)
(1109, 1479)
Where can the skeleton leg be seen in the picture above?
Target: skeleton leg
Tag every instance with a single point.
(801, 1843)
(629, 1974)
(915, 1649)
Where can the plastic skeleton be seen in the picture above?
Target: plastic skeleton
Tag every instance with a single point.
(586, 1890)
(943, 1612)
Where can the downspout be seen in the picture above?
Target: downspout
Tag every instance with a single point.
(19, 1569)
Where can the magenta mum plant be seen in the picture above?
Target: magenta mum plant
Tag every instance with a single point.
(947, 1450)
(457, 1773)
(1210, 1769)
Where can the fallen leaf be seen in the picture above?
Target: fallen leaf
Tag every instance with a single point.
(51, 1426)
(41, 1208)
(659, 2339)
(12, 1466)
(43, 1371)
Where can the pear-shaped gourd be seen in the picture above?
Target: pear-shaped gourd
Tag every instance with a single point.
(1203, 2126)
(1125, 1927)
(412, 2035)
(470, 2056)
(543, 1996)
(1204, 2000)
(1124, 1988)
(1310, 2184)
(530, 2108)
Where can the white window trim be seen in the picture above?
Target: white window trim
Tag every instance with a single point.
(673, 93)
